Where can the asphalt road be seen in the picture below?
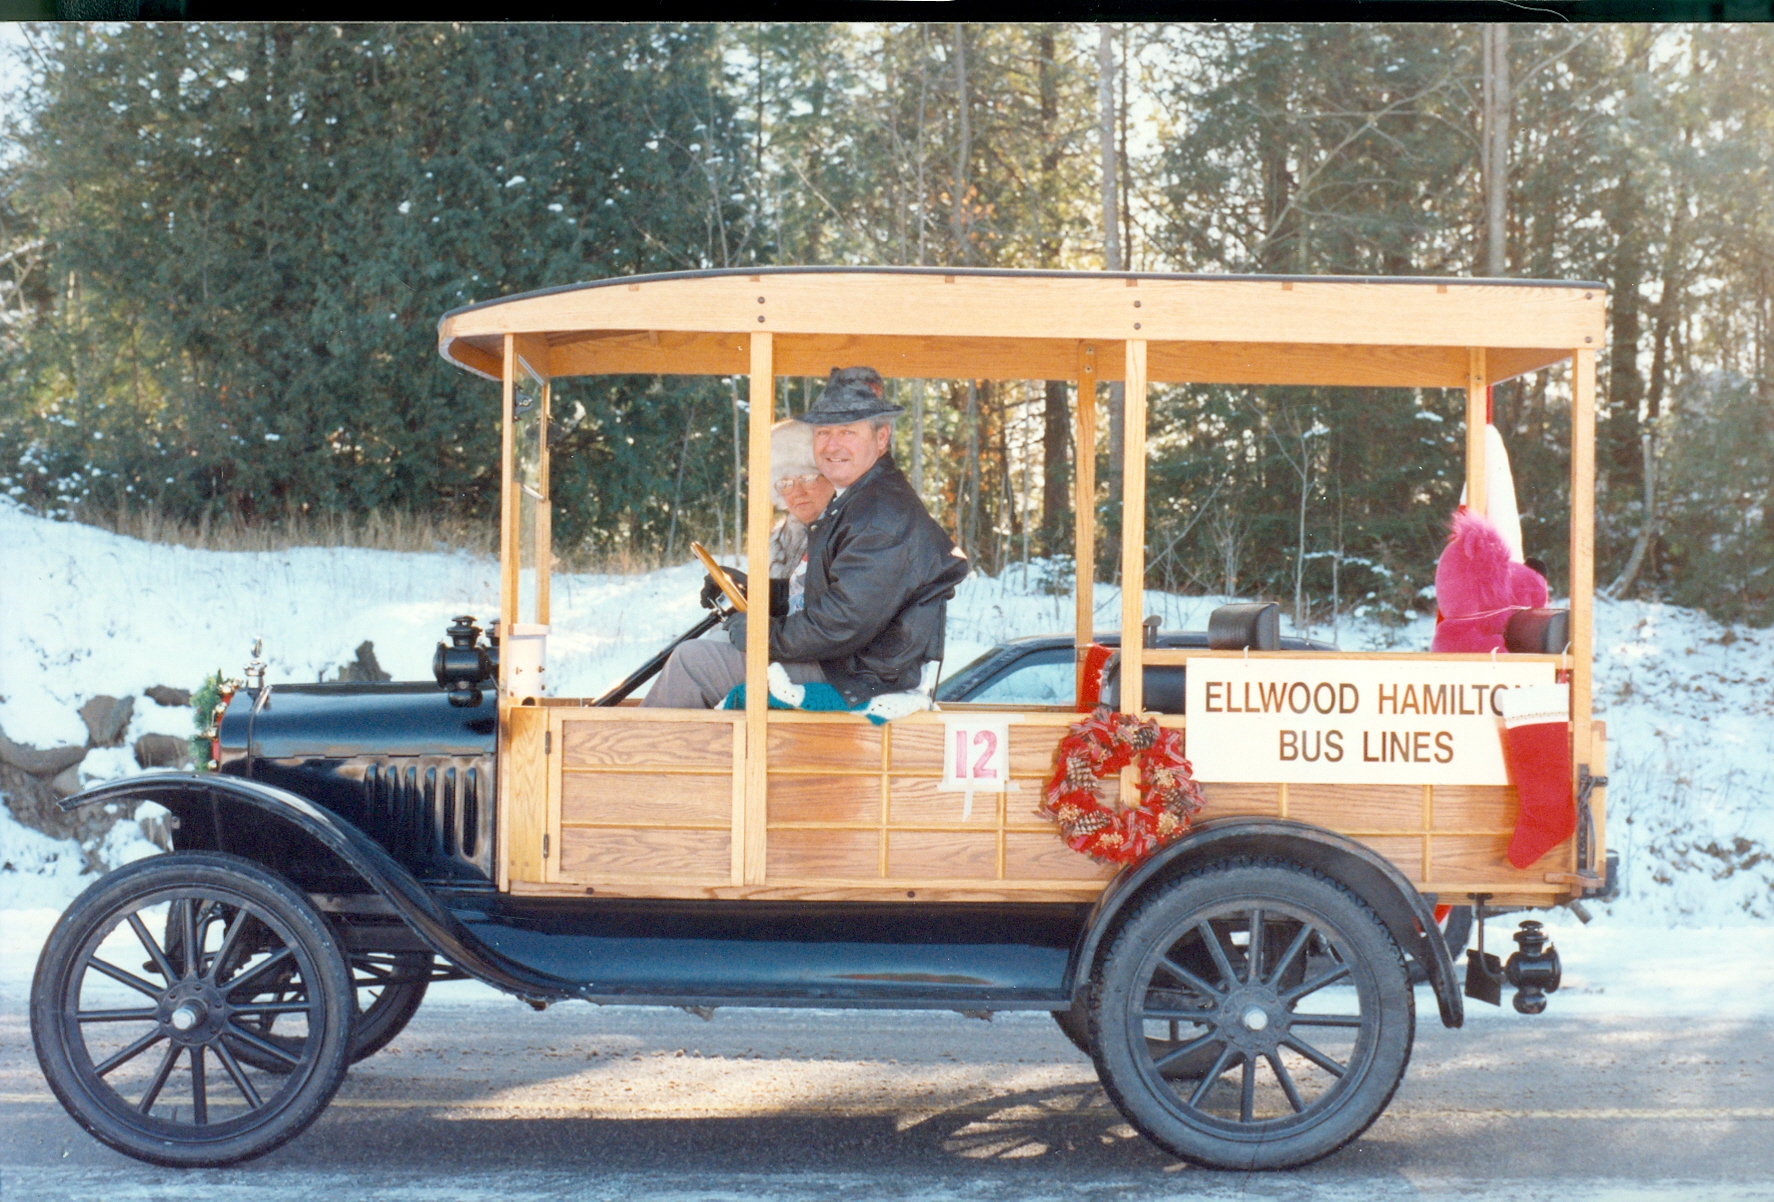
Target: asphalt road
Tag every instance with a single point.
(481, 1098)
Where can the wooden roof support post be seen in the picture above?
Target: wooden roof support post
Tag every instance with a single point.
(757, 599)
(544, 512)
(507, 605)
(1582, 549)
(508, 511)
(1476, 383)
(1133, 529)
(1084, 508)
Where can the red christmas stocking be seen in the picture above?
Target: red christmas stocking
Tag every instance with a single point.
(1090, 687)
(1537, 749)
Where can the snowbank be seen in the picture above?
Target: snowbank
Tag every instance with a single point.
(1688, 702)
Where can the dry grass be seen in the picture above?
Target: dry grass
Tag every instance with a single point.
(378, 530)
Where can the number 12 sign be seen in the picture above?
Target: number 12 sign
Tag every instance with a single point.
(975, 753)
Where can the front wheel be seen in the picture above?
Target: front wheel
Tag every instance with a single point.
(1289, 990)
(139, 1042)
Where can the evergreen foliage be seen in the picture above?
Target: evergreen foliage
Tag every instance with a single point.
(223, 251)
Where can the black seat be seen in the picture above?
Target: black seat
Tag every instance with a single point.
(1162, 694)
(1538, 631)
(1252, 625)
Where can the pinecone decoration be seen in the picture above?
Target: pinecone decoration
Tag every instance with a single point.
(1079, 774)
(1087, 824)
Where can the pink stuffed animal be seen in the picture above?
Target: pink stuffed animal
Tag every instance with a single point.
(1478, 587)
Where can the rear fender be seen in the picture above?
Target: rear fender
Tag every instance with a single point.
(1407, 915)
(318, 851)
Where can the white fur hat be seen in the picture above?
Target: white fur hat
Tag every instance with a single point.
(791, 454)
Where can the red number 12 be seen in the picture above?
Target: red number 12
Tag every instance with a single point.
(980, 769)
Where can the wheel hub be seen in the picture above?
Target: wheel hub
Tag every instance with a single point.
(193, 1012)
(1252, 1019)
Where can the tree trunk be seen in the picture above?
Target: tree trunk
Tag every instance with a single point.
(1055, 478)
(1495, 148)
(963, 148)
(969, 509)
(1105, 100)
(918, 437)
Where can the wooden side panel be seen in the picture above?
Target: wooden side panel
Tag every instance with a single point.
(917, 803)
(524, 799)
(825, 855)
(825, 747)
(826, 799)
(1476, 808)
(1032, 748)
(1226, 800)
(1484, 859)
(1042, 856)
(676, 745)
(642, 799)
(942, 855)
(917, 748)
(591, 853)
(1406, 851)
(1357, 807)
(645, 799)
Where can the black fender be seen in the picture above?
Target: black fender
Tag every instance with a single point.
(1407, 914)
(201, 800)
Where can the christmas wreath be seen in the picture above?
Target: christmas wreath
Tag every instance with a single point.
(1100, 746)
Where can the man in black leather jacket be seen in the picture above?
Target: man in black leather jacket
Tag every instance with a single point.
(867, 613)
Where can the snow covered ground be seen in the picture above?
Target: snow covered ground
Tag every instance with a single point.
(1689, 703)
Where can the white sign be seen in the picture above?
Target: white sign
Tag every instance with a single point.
(1354, 721)
(975, 753)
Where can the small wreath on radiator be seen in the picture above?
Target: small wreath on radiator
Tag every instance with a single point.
(1098, 747)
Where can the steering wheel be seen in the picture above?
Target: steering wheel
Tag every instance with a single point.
(719, 575)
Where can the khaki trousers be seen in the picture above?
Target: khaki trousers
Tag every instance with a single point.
(701, 673)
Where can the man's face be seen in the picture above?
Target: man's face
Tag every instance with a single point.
(844, 453)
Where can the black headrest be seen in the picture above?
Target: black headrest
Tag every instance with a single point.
(1539, 631)
(1254, 624)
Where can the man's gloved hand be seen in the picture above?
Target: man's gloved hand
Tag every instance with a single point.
(735, 628)
(711, 592)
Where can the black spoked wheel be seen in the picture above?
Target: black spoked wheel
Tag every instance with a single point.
(390, 986)
(1254, 1016)
(141, 1043)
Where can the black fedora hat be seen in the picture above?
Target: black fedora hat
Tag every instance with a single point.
(852, 394)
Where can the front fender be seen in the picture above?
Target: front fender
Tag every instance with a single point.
(203, 802)
(1406, 914)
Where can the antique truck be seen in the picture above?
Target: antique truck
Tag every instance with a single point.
(1244, 991)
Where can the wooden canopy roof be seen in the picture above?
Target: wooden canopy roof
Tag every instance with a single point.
(951, 323)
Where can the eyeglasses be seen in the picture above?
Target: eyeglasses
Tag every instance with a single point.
(788, 483)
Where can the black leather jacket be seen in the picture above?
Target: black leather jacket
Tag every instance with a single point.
(879, 574)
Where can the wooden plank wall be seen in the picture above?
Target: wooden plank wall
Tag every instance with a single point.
(653, 804)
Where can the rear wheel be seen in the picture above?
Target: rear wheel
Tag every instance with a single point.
(142, 1052)
(390, 987)
(1252, 1016)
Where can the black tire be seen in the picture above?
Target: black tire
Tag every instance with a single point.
(390, 988)
(1179, 982)
(244, 924)
(1076, 1023)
